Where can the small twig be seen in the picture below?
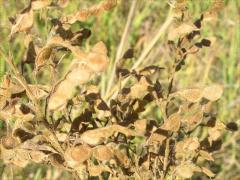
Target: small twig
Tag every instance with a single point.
(166, 157)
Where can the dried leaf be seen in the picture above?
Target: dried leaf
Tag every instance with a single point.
(23, 22)
(98, 170)
(173, 123)
(192, 95)
(39, 4)
(96, 10)
(183, 29)
(206, 155)
(186, 170)
(42, 57)
(100, 135)
(213, 92)
(75, 156)
(207, 172)
(103, 153)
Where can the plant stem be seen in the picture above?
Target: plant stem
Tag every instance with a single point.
(123, 42)
(23, 83)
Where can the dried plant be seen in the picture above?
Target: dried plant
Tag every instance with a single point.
(68, 124)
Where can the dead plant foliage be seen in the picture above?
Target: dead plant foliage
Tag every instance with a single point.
(81, 132)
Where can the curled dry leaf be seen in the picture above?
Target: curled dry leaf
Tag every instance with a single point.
(75, 156)
(23, 22)
(213, 92)
(95, 10)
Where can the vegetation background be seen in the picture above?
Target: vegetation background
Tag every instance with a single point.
(218, 64)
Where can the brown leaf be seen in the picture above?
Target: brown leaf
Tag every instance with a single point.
(97, 58)
(39, 4)
(9, 142)
(96, 10)
(173, 123)
(186, 170)
(122, 158)
(206, 155)
(103, 153)
(77, 155)
(23, 22)
(183, 29)
(192, 95)
(213, 92)
(42, 57)
(207, 172)
(98, 136)
(98, 170)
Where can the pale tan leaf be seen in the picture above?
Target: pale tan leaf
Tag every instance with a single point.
(98, 136)
(206, 155)
(192, 95)
(213, 92)
(39, 4)
(24, 21)
(42, 57)
(186, 170)
(207, 172)
(95, 10)
(173, 123)
(103, 153)
(97, 58)
(183, 29)
(75, 156)
(122, 158)
(98, 170)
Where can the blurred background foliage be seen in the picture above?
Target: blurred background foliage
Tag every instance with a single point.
(218, 64)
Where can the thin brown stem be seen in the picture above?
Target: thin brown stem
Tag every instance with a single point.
(23, 83)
